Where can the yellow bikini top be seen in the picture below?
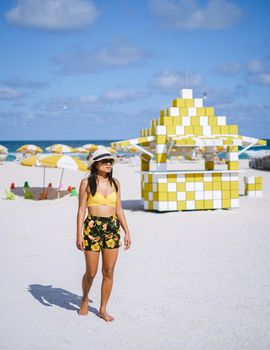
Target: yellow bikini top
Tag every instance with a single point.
(99, 199)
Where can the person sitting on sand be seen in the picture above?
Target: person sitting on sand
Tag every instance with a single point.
(100, 231)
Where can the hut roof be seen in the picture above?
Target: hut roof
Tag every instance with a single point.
(194, 140)
(189, 123)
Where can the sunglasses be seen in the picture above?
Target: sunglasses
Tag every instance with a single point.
(105, 161)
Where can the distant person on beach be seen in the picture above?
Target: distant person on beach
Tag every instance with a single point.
(100, 231)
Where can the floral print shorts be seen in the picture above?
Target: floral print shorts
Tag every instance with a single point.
(101, 233)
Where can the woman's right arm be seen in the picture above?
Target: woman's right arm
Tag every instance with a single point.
(81, 213)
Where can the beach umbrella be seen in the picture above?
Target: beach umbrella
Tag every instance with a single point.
(3, 149)
(55, 161)
(131, 148)
(59, 148)
(29, 161)
(92, 147)
(29, 149)
(52, 146)
(80, 150)
(112, 150)
(62, 161)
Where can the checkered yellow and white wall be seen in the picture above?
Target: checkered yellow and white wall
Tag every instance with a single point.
(253, 186)
(190, 190)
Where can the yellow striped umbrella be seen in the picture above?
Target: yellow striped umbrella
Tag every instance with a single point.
(112, 150)
(55, 161)
(80, 150)
(62, 161)
(30, 161)
(29, 149)
(59, 148)
(52, 146)
(92, 147)
(131, 148)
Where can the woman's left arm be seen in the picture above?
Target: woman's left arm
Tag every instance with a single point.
(122, 219)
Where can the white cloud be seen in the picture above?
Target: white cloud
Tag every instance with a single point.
(7, 93)
(222, 99)
(260, 79)
(53, 14)
(88, 100)
(27, 84)
(258, 72)
(191, 15)
(252, 120)
(167, 81)
(229, 69)
(256, 66)
(123, 95)
(113, 96)
(116, 55)
(90, 103)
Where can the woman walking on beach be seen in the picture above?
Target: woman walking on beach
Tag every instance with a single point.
(100, 192)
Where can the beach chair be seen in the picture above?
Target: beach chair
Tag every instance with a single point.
(10, 195)
(27, 194)
(73, 192)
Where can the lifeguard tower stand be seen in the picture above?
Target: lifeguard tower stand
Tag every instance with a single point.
(189, 125)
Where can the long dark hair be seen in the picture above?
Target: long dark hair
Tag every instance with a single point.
(92, 179)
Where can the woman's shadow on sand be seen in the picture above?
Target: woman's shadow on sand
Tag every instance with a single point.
(49, 296)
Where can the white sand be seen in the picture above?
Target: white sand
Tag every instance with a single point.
(191, 280)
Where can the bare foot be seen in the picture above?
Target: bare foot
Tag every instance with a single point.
(84, 307)
(106, 317)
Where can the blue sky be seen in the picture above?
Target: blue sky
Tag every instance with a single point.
(81, 69)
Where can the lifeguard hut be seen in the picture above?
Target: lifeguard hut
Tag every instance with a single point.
(188, 125)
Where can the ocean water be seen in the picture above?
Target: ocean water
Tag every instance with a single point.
(14, 145)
